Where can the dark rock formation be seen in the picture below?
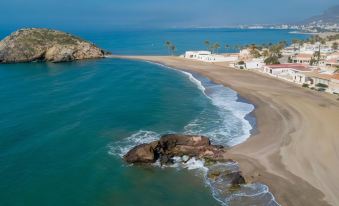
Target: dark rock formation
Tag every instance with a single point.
(27, 45)
(186, 147)
(172, 145)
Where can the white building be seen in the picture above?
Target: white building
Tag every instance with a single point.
(291, 72)
(254, 63)
(334, 55)
(245, 54)
(207, 56)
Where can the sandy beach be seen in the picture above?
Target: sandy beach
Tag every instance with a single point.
(295, 150)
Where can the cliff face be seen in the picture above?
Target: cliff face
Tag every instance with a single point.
(27, 45)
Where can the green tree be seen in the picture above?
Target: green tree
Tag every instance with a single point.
(294, 42)
(266, 53)
(173, 49)
(208, 45)
(272, 60)
(335, 45)
(216, 47)
(255, 53)
(168, 44)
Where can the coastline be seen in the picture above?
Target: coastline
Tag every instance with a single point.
(285, 152)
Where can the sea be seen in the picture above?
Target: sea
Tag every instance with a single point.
(65, 127)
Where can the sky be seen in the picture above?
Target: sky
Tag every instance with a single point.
(84, 14)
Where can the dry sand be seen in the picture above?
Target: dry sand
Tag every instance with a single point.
(295, 150)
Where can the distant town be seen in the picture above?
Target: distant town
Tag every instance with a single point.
(312, 28)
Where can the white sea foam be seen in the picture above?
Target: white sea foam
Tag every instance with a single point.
(196, 82)
(121, 147)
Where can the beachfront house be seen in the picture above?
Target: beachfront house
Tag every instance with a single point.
(291, 72)
(255, 63)
(207, 56)
(319, 80)
(196, 54)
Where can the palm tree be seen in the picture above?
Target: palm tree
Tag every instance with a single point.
(227, 46)
(216, 46)
(295, 41)
(207, 44)
(173, 49)
(253, 47)
(168, 44)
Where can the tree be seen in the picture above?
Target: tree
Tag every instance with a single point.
(216, 47)
(255, 53)
(227, 46)
(207, 44)
(295, 41)
(266, 53)
(335, 46)
(275, 50)
(272, 60)
(173, 49)
(168, 44)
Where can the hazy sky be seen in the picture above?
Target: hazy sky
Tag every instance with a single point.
(154, 13)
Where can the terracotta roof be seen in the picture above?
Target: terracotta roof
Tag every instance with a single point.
(304, 56)
(323, 76)
(335, 76)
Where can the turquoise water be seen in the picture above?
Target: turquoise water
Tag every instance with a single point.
(64, 127)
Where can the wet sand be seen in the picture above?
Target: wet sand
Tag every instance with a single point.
(295, 150)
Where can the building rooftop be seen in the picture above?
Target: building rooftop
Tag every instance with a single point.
(299, 67)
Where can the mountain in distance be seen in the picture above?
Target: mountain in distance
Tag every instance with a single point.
(330, 16)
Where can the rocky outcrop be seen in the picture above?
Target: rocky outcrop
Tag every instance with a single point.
(172, 145)
(28, 45)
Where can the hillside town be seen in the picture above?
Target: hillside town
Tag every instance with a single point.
(311, 63)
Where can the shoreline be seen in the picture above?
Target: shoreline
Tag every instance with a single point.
(285, 152)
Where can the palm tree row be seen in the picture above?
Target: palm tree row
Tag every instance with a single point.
(214, 48)
(170, 47)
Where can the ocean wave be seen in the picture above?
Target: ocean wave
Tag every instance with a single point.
(121, 147)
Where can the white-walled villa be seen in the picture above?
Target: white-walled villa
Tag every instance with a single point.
(207, 56)
(291, 72)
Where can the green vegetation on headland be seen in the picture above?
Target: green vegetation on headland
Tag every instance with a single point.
(27, 45)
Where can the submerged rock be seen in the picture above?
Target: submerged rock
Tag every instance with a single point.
(27, 45)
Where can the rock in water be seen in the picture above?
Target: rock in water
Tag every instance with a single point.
(172, 145)
(28, 45)
(144, 153)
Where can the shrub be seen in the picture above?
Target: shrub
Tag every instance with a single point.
(321, 89)
(321, 85)
(305, 85)
(241, 67)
